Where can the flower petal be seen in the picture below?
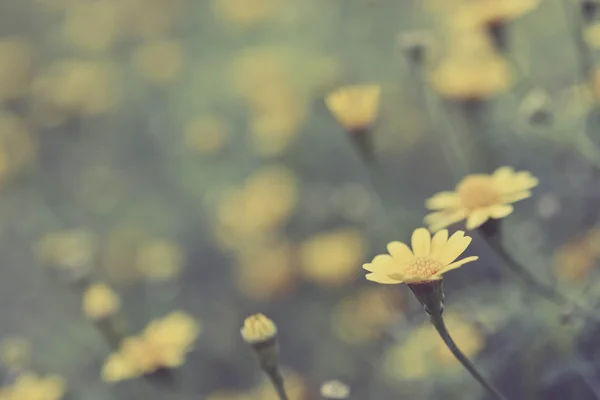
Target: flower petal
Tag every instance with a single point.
(382, 278)
(382, 263)
(477, 218)
(443, 200)
(442, 219)
(514, 197)
(400, 251)
(438, 243)
(457, 264)
(421, 242)
(456, 245)
(500, 211)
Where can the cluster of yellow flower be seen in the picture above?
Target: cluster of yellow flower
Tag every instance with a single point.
(163, 344)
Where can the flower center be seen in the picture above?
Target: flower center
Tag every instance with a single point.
(477, 191)
(423, 267)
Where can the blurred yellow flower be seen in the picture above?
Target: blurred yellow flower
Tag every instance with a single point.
(245, 12)
(100, 301)
(92, 26)
(476, 13)
(265, 201)
(28, 386)
(363, 317)
(69, 249)
(592, 35)
(257, 329)
(118, 256)
(355, 107)
(15, 353)
(332, 258)
(74, 87)
(428, 260)
(480, 197)
(206, 134)
(163, 344)
(277, 113)
(267, 271)
(17, 146)
(159, 260)
(472, 75)
(150, 19)
(574, 260)
(159, 61)
(15, 67)
(423, 352)
(295, 387)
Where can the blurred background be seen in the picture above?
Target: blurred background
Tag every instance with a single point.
(181, 153)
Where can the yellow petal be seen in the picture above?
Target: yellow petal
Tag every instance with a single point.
(381, 278)
(514, 197)
(504, 172)
(438, 243)
(477, 218)
(442, 219)
(382, 263)
(421, 242)
(443, 200)
(400, 251)
(500, 211)
(456, 245)
(457, 264)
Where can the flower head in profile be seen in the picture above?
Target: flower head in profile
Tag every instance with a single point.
(258, 329)
(480, 197)
(355, 107)
(426, 262)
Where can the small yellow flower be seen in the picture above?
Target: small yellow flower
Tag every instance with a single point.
(480, 197)
(428, 260)
(100, 301)
(355, 107)
(258, 328)
(335, 389)
(163, 344)
(28, 386)
(472, 76)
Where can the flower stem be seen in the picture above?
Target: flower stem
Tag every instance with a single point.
(584, 58)
(438, 322)
(277, 381)
(530, 280)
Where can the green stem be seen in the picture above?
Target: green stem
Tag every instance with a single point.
(438, 322)
(584, 57)
(277, 381)
(530, 280)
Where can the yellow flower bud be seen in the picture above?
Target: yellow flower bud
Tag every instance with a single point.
(258, 329)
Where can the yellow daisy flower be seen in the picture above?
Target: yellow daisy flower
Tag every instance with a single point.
(479, 197)
(428, 260)
(354, 107)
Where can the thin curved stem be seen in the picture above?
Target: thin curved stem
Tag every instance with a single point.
(532, 282)
(438, 322)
